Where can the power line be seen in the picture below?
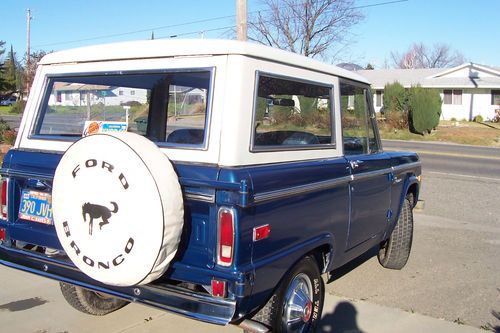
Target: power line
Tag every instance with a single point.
(380, 4)
(197, 32)
(141, 30)
(191, 23)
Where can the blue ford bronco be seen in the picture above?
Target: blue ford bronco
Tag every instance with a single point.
(217, 180)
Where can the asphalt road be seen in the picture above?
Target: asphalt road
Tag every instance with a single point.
(439, 158)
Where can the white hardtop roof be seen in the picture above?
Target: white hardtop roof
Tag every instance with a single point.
(191, 47)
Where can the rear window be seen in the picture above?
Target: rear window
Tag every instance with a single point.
(170, 108)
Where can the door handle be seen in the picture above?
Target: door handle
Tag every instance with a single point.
(355, 164)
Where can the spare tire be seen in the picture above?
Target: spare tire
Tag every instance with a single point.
(118, 209)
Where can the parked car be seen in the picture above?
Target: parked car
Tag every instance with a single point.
(9, 101)
(238, 177)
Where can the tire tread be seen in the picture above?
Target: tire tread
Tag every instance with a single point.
(395, 252)
(89, 302)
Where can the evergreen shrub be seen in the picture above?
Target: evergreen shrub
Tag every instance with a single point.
(424, 106)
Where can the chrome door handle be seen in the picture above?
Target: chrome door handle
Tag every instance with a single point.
(355, 164)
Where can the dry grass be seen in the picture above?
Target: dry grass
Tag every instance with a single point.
(469, 133)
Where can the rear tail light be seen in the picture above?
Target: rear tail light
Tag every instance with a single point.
(225, 240)
(4, 198)
(2, 235)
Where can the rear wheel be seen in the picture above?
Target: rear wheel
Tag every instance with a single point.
(90, 302)
(297, 304)
(394, 252)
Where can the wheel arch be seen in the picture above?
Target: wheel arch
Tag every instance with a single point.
(413, 188)
(321, 249)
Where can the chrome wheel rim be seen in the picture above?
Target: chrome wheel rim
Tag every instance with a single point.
(298, 307)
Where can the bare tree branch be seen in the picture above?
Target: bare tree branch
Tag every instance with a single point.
(420, 56)
(308, 27)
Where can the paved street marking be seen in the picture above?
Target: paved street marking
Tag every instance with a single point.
(464, 176)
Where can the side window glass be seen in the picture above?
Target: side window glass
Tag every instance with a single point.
(187, 108)
(291, 114)
(354, 119)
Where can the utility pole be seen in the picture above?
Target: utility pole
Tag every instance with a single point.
(241, 19)
(28, 52)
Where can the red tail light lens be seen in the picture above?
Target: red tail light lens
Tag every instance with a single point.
(3, 197)
(225, 248)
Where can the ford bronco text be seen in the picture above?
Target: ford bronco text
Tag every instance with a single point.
(214, 179)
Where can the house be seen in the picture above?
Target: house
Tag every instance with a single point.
(77, 94)
(467, 90)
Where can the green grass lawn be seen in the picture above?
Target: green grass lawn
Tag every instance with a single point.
(463, 132)
(5, 109)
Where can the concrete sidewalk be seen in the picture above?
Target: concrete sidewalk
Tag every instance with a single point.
(32, 304)
(351, 316)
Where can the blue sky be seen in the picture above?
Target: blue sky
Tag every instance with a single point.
(470, 27)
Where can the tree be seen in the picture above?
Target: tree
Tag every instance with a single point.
(395, 106)
(421, 56)
(36, 56)
(10, 72)
(394, 98)
(309, 27)
(424, 107)
(2, 43)
(369, 66)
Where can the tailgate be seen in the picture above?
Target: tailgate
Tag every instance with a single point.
(30, 181)
(30, 175)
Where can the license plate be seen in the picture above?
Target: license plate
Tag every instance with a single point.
(36, 207)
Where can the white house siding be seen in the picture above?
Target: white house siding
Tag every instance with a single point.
(456, 111)
(79, 98)
(128, 95)
(474, 102)
(482, 104)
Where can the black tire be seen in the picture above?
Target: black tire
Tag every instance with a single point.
(274, 315)
(394, 252)
(90, 302)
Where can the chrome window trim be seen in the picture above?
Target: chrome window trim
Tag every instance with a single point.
(368, 112)
(13, 173)
(210, 198)
(259, 149)
(36, 124)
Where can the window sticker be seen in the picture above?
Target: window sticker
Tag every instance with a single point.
(93, 127)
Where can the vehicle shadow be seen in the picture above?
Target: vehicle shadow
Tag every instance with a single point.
(352, 265)
(344, 318)
(341, 320)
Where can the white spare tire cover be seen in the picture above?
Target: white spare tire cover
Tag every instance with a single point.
(118, 208)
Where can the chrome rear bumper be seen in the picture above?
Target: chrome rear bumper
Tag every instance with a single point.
(199, 306)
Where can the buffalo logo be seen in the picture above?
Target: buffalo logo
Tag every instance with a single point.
(97, 211)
